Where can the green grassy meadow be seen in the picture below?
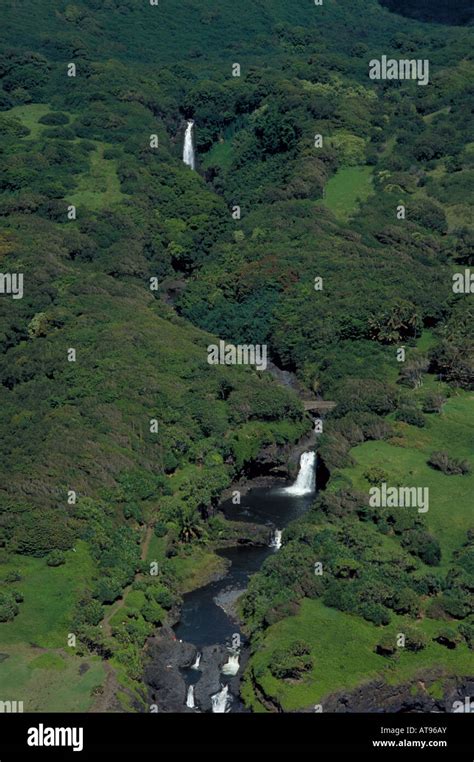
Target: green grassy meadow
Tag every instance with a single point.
(342, 648)
(35, 666)
(404, 459)
(346, 189)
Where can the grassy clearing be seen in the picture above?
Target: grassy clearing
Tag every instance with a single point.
(49, 597)
(346, 189)
(404, 459)
(220, 155)
(49, 682)
(342, 648)
(156, 548)
(100, 187)
(29, 116)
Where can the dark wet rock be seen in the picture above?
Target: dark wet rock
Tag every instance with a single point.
(414, 696)
(211, 680)
(166, 658)
(245, 533)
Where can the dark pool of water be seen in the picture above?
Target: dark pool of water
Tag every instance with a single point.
(203, 620)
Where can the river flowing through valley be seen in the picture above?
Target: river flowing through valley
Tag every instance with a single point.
(207, 613)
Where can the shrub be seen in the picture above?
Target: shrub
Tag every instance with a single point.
(466, 629)
(447, 637)
(152, 612)
(13, 576)
(456, 604)
(415, 640)
(441, 461)
(422, 544)
(54, 117)
(406, 602)
(387, 645)
(160, 529)
(40, 533)
(376, 475)
(164, 597)
(292, 661)
(8, 606)
(433, 403)
(374, 612)
(56, 558)
(89, 612)
(410, 415)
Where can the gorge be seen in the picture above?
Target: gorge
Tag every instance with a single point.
(208, 618)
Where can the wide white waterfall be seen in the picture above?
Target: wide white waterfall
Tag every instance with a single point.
(275, 542)
(190, 697)
(197, 662)
(306, 479)
(220, 701)
(231, 667)
(188, 150)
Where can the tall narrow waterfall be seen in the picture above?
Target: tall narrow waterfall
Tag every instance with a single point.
(306, 479)
(197, 662)
(220, 701)
(188, 150)
(190, 697)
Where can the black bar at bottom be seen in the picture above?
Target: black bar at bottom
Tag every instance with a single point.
(93, 735)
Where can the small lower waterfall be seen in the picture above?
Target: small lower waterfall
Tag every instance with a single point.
(188, 149)
(221, 700)
(197, 662)
(231, 667)
(190, 697)
(306, 479)
(275, 542)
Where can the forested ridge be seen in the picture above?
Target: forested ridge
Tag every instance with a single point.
(307, 211)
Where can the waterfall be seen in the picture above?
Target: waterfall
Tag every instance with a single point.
(220, 701)
(197, 662)
(318, 426)
(231, 667)
(190, 697)
(188, 150)
(275, 542)
(306, 480)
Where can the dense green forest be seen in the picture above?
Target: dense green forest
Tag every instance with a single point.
(116, 456)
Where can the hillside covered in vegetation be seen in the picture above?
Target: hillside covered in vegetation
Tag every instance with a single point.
(326, 220)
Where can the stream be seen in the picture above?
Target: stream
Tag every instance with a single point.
(206, 613)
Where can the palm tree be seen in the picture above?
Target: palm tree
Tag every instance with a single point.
(189, 523)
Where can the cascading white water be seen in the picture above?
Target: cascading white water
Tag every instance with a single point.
(197, 662)
(318, 424)
(220, 701)
(275, 542)
(188, 150)
(190, 697)
(306, 479)
(231, 667)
